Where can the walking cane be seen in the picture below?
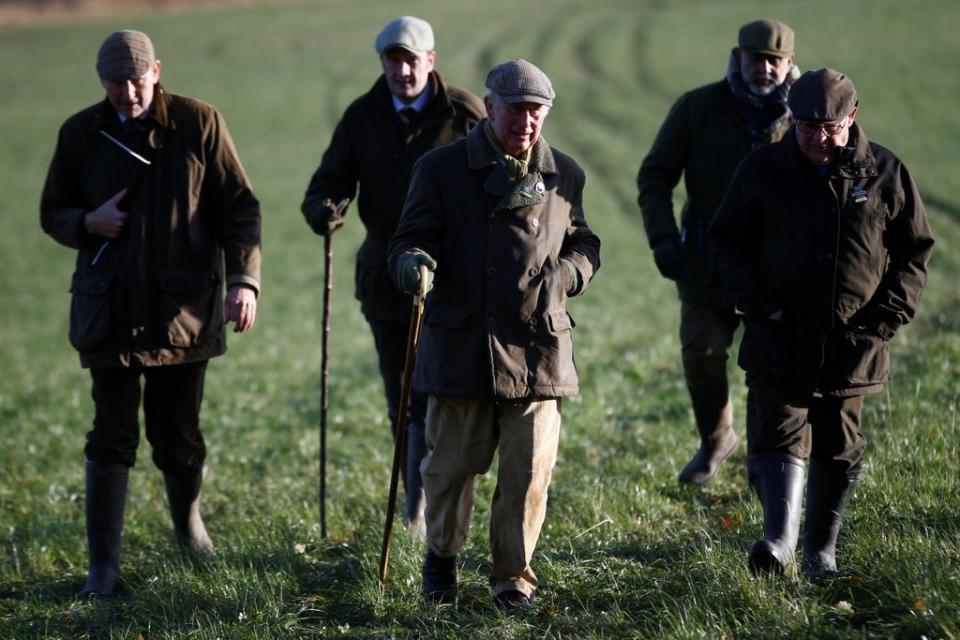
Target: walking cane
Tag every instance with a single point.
(401, 439)
(325, 361)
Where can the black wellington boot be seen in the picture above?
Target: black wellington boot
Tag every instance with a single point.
(105, 501)
(440, 578)
(413, 512)
(714, 415)
(829, 490)
(779, 484)
(183, 493)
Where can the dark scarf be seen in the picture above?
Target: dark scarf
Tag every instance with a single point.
(761, 114)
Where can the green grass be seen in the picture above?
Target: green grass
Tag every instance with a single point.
(625, 551)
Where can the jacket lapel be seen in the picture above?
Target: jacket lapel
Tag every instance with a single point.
(526, 192)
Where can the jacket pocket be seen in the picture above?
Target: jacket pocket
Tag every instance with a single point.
(187, 305)
(559, 320)
(90, 312)
(767, 346)
(859, 359)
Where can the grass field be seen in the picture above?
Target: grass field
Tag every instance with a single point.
(625, 551)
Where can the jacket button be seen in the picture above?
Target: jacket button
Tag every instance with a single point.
(491, 271)
(533, 343)
(533, 271)
(533, 322)
(491, 322)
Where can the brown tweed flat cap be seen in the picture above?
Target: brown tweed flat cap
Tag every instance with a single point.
(520, 81)
(125, 55)
(825, 95)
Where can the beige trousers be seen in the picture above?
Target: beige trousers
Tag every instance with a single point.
(462, 436)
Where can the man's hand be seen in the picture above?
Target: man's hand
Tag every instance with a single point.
(107, 221)
(410, 272)
(669, 257)
(329, 218)
(241, 307)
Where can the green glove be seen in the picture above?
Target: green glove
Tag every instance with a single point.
(410, 272)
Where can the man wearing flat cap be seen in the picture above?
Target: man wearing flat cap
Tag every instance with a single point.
(147, 187)
(823, 245)
(498, 219)
(706, 134)
(409, 111)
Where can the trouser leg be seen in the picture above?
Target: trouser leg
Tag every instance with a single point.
(706, 333)
(461, 441)
(529, 436)
(835, 469)
(173, 396)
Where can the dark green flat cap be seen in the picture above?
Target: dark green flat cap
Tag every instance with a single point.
(824, 95)
(766, 36)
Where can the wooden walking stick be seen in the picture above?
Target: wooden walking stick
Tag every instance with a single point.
(325, 359)
(400, 442)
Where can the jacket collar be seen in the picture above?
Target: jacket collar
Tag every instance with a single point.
(853, 161)
(529, 190)
(437, 109)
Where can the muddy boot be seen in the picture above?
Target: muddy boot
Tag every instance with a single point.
(183, 493)
(829, 490)
(779, 483)
(105, 501)
(714, 414)
(413, 514)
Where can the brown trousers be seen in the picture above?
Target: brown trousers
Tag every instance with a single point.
(462, 437)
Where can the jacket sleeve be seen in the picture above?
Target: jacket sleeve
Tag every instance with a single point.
(237, 209)
(909, 243)
(421, 224)
(734, 232)
(61, 204)
(661, 171)
(337, 176)
(581, 246)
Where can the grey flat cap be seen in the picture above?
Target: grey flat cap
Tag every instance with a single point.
(771, 37)
(825, 95)
(125, 55)
(520, 81)
(406, 32)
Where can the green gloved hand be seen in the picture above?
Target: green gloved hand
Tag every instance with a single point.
(410, 272)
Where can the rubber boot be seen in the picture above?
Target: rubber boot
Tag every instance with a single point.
(183, 493)
(413, 513)
(829, 490)
(779, 484)
(105, 501)
(714, 415)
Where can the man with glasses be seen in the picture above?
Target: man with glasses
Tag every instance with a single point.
(706, 134)
(823, 245)
(409, 111)
(147, 187)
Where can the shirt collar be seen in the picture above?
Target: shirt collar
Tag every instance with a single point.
(417, 105)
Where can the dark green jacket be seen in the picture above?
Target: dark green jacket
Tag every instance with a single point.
(703, 139)
(371, 146)
(154, 295)
(496, 325)
(844, 257)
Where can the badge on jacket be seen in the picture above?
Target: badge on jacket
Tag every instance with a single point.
(858, 195)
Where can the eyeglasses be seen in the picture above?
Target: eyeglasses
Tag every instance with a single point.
(810, 127)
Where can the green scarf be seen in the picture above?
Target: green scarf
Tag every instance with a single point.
(516, 167)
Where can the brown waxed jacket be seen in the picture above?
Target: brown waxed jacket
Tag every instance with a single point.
(845, 259)
(703, 138)
(154, 295)
(371, 146)
(496, 325)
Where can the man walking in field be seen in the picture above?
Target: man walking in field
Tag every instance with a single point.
(823, 245)
(498, 218)
(706, 134)
(147, 187)
(409, 111)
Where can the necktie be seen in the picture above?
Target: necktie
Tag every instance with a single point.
(407, 114)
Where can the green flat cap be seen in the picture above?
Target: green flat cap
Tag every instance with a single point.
(406, 32)
(125, 55)
(771, 37)
(825, 95)
(520, 81)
